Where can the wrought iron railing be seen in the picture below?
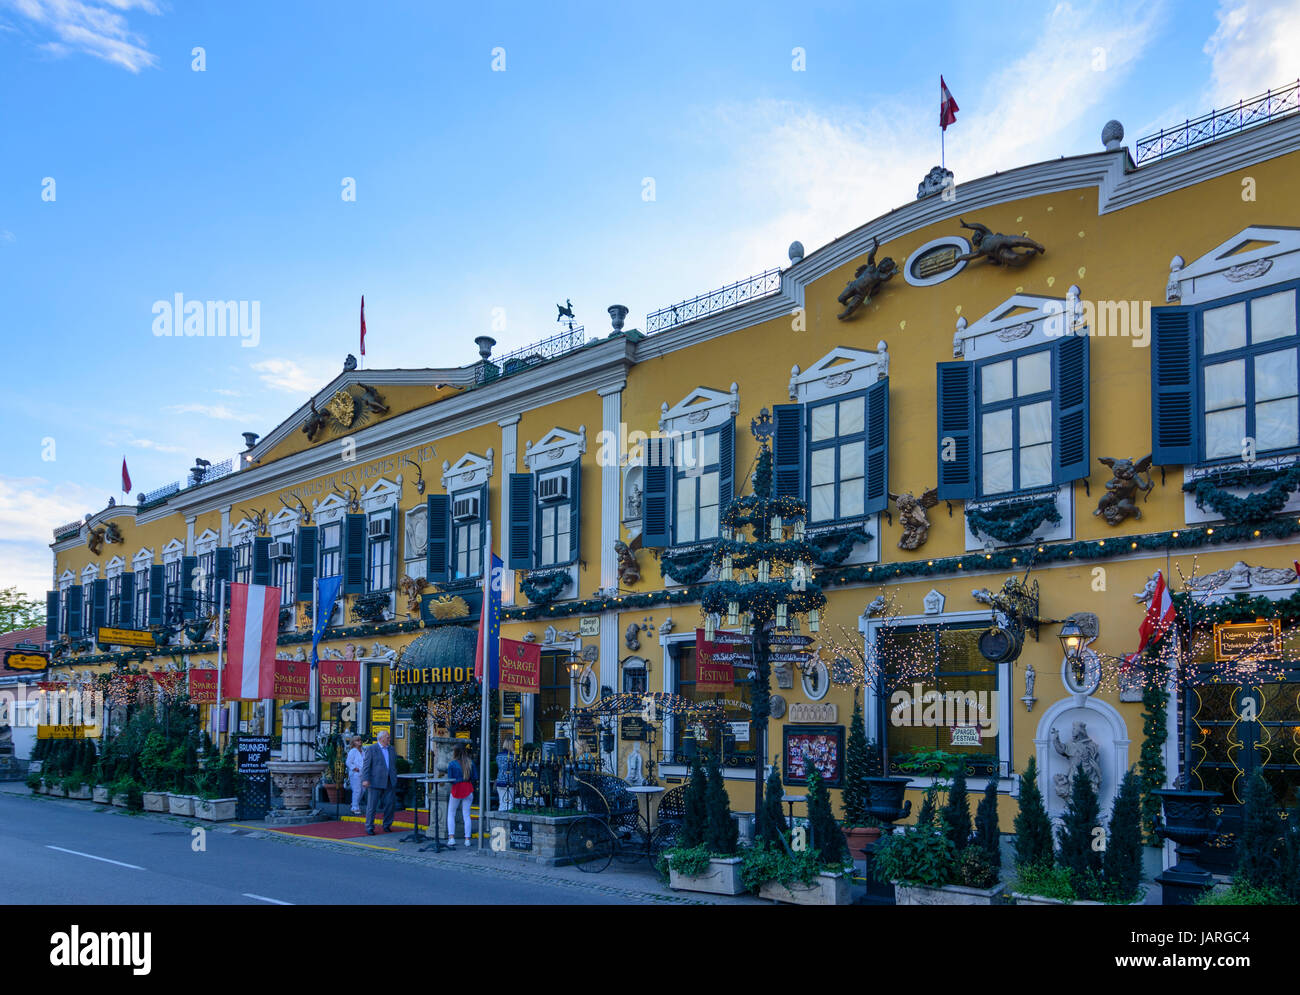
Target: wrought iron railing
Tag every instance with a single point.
(1211, 127)
(162, 492)
(213, 471)
(530, 355)
(715, 300)
(70, 527)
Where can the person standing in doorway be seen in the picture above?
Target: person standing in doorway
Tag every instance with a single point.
(463, 772)
(356, 757)
(379, 778)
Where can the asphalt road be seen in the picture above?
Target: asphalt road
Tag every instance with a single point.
(57, 853)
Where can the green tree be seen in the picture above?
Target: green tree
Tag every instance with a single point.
(1151, 761)
(857, 768)
(771, 818)
(1259, 844)
(987, 835)
(695, 816)
(1122, 864)
(929, 802)
(827, 838)
(956, 813)
(1033, 827)
(1077, 840)
(721, 832)
(17, 611)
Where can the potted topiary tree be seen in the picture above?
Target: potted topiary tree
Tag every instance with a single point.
(216, 800)
(817, 872)
(153, 766)
(704, 858)
(861, 829)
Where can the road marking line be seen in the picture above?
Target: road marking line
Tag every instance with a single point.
(78, 853)
(263, 898)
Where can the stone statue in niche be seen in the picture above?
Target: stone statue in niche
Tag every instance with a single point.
(867, 280)
(999, 249)
(635, 766)
(1119, 502)
(911, 516)
(1083, 753)
(1030, 678)
(633, 508)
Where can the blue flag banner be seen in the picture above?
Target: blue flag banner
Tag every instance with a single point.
(489, 625)
(327, 593)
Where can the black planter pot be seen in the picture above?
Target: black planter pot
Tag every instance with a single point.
(886, 804)
(1188, 820)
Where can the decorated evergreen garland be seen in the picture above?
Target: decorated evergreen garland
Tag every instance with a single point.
(1015, 522)
(830, 549)
(542, 589)
(1249, 510)
(689, 565)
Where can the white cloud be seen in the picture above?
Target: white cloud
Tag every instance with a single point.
(1253, 49)
(155, 446)
(286, 375)
(225, 393)
(218, 411)
(7, 236)
(95, 27)
(30, 509)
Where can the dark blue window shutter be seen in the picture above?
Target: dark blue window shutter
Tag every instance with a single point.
(519, 538)
(575, 509)
(125, 600)
(1070, 405)
(305, 561)
(354, 554)
(726, 464)
(100, 617)
(787, 450)
(74, 611)
(157, 593)
(262, 560)
(223, 565)
(657, 479)
(51, 614)
(1175, 422)
(956, 397)
(188, 565)
(877, 455)
(437, 557)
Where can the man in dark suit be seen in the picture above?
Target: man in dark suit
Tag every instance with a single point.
(379, 778)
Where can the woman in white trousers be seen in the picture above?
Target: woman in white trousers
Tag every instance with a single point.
(462, 771)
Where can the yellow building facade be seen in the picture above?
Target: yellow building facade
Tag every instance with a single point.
(965, 424)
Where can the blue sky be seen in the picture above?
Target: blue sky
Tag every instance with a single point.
(478, 189)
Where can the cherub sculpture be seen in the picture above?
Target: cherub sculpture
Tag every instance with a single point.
(1119, 502)
(629, 571)
(315, 421)
(371, 400)
(867, 279)
(95, 539)
(911, 516)
(999, 249)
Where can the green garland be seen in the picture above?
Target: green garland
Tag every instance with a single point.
(1241, 608)
(1258, 507)
(1151, 761)
(543, 589)
(689, 565)
(833, 548)
(1014, 522)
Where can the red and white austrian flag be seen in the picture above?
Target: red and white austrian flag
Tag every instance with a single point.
(254, 621)
(1159, 617)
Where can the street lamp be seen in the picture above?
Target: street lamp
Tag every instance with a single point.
(1072, 642)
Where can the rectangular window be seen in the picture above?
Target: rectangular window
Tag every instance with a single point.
(695, 486)
(282, 569)
(331, 550)
(172, 592)
(208, 564)
(1249, 366)
(837, 459)
(553, 530)
(1014, 405)
(114, 600)
(142, 598)
(736, 751)
(379, 556)
(467, 553)
(553, 696)
(63, 610)
(930, 715)
(243, 563)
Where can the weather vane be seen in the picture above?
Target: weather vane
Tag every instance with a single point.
(565, 311)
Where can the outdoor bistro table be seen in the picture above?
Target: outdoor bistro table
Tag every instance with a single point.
(647, 790)
(434, 834)
(417, 836)
(790, 801)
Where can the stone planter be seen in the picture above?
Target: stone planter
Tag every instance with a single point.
(296, 780)
(155, 801)
(180, 804)
(215, 809)
(828, 889)
(101, 794)
(948, 894)
(81, 794)
(538, 838)
(1023, 899)
(120, 801)
(722, 878)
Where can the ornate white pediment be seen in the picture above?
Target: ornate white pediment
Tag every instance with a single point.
(1021, 320)
(283, 521)
(67, 578)
(381, 494)
(1257, 256)
(89, 574)
(840, 371)
(555, 448)
(113, 567)
(143, 559)
(471, 470)
(206, 542)
(330, 509)
(701, 409)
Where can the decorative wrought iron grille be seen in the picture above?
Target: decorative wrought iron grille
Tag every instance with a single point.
(1212, 126)
(749, 289)
(70, 527)
(218, 470)
(162, 492)
(530, 355)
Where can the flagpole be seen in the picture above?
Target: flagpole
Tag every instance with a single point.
(483, 802)
(314, 662)
(221, 649)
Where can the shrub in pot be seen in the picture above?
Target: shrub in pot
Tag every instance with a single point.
(709, 865)
(860, 828)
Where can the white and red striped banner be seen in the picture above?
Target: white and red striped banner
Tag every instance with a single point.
(250, 657)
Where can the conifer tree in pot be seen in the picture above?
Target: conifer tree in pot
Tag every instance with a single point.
(861, 829)
(1034, 848)
(1077, 835)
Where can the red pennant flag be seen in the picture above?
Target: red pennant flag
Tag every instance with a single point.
(947, 106)
(126, 478)
(363, 324)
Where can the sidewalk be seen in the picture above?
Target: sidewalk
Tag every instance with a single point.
(635, 881)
